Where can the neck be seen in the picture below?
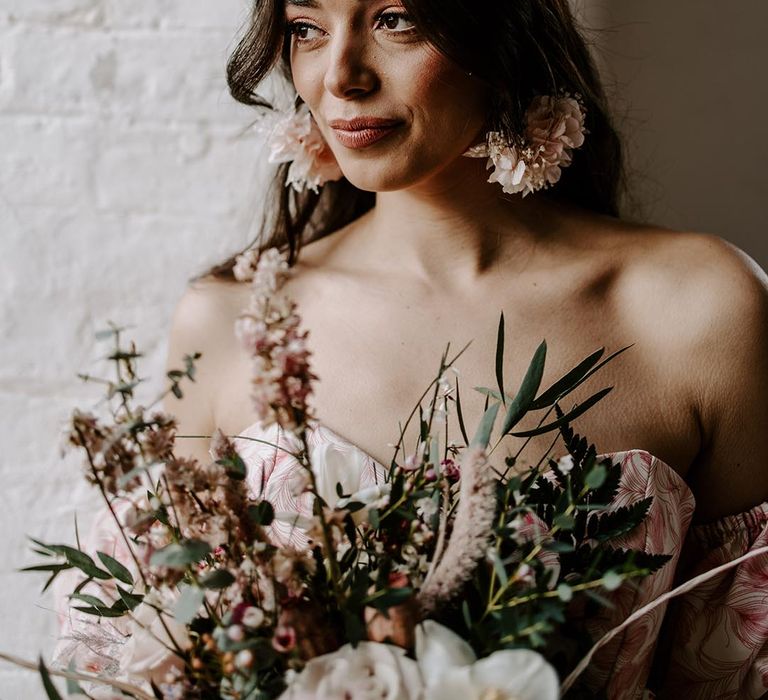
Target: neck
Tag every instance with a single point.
(455, 228)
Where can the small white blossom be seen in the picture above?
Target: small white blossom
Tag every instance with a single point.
(426, 508)
(253, 617)
(565, 464)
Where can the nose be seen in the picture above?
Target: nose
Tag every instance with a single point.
(350, 72)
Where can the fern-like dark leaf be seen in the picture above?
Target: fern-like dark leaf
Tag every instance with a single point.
(618, 522)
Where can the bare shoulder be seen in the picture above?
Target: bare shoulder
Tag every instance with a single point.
(685, 285)
(203, 323)
(701, 303)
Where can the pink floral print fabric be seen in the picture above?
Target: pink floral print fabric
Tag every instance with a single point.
(712, 642)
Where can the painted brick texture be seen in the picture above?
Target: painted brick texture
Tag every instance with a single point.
(125, 169)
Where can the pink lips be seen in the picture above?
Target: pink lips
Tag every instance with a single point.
(362, 131)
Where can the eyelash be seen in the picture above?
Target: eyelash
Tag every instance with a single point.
(297, 25)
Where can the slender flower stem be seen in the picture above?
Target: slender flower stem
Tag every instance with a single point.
(333, 565)
(72, 675)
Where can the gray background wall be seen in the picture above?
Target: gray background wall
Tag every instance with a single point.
(124, 170)
(688, 82)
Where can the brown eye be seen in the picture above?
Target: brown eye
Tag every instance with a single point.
(393, 22)
(303, 31)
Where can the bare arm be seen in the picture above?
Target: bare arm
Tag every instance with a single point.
(191, 332)
(731, 382)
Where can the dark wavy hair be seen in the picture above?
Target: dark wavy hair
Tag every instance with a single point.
(519, 49)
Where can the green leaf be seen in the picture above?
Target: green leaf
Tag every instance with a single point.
(564, 522)
(483, 434)
(618, 522)
(50, 688)
(188, 605)
(460, 415)
(221, 578)
(181, 555)
(521, 404)
(567, 382)
(382, 600)
(90, 599)
(488, 393)
(234, 467)
(498, 567)
(47, 567)
(568, 417)
(73, 687)
(77, 559)
(115, 568)
(596, 477)
(500, 358)
(101, 612)
(130, 600)
(262, 513)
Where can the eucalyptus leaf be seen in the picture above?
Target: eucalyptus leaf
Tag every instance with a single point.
(73, 687)
(460, 415)
(491, 393)
(498, 567)
(90, 599)
(596, 477)
(188, 605)
(130, 600)
(568, 417)
(221, 578)
(500, 358)
(181, 555)
(382, 600)
(115, 568)
(50, 688)
(262, 513)
(568, 381)
(521, 404)
(483, 435)
(234, 467)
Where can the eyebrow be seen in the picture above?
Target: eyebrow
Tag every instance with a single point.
(303, 3)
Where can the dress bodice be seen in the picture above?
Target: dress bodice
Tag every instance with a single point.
(712, 642)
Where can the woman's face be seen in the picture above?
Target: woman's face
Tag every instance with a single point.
(393, 110)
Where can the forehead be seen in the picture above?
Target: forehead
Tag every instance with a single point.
(318, 3)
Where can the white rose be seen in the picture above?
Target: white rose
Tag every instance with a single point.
(146, 653)
(372, 671)
(451, 670)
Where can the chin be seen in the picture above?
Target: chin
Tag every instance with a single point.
(372, 179)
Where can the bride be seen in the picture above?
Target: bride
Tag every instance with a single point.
(400, 244)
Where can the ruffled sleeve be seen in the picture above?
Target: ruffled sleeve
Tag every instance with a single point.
(715, 640)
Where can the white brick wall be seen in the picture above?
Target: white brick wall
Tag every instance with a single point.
(123, 172)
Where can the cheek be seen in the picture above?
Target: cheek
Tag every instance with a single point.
(307, 75)
(447, 102)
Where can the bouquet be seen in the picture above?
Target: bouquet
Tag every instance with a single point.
(454, 574)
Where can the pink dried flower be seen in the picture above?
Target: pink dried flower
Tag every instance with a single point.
(471, 530)
(284, 638)
(533, 161)
(295, 138)
(269, 330)
(450, 469)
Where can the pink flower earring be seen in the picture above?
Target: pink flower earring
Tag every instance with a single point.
(295, 138)
(554, 126)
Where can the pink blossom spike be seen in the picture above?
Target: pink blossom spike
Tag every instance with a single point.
(471, 530)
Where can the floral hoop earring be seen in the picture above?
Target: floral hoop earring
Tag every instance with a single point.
(295, 138)
(554, 127)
